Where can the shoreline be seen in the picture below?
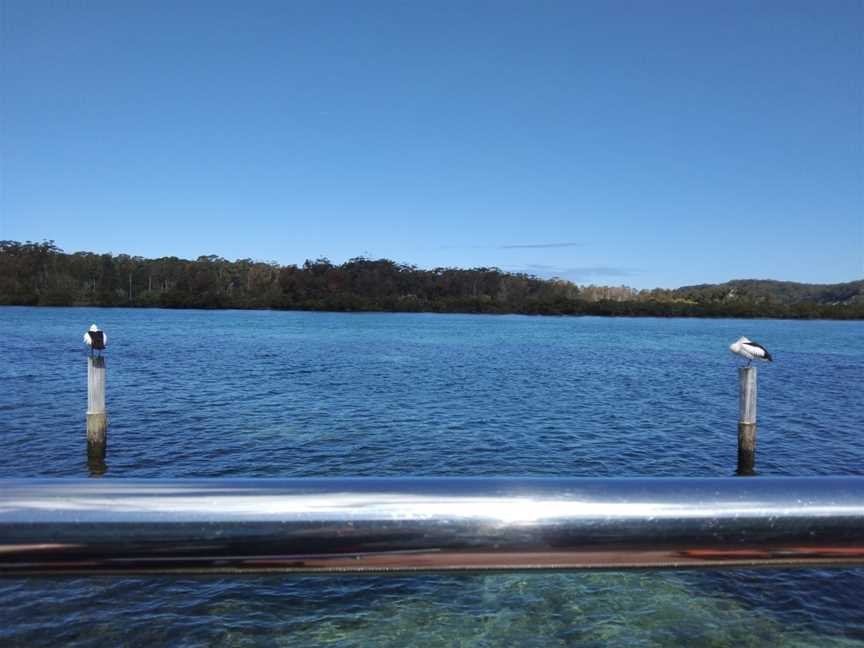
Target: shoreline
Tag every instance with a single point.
(586, 313)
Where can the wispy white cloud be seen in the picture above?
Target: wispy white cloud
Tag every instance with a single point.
(579, 273)
(513, 246)
(537, 246)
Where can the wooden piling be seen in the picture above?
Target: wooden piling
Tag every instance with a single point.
(746, 420)
(97, 417)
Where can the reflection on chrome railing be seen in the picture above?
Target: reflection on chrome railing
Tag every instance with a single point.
(356, 525)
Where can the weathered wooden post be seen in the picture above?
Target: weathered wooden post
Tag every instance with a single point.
(746, 420)
(97, 418)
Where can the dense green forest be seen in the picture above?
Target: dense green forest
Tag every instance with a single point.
(40, 274)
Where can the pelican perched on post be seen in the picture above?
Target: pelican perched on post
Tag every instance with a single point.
(96, 339)
(751, 350)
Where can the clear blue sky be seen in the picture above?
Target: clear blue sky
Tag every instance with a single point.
(646, 143)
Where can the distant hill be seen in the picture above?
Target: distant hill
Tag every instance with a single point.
(768, 291)
(41, 274)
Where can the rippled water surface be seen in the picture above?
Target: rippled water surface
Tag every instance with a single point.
(227, 393)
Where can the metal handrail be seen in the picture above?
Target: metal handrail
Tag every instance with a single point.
(65, 526)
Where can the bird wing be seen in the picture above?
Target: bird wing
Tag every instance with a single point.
(763, 350)
(104, 338)
(756, 349)
(87, 339)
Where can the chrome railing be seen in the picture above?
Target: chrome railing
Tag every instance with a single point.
(357, 525)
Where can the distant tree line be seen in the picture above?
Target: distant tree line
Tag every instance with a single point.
(40, 274)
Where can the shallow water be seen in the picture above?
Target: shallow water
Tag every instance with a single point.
(230, 393)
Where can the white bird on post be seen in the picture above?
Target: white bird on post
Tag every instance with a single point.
(96, 339)
(97, 416)
(751, 350)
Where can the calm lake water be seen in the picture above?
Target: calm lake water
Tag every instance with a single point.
(266, 394)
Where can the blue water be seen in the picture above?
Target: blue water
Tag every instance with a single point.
(229, 393)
